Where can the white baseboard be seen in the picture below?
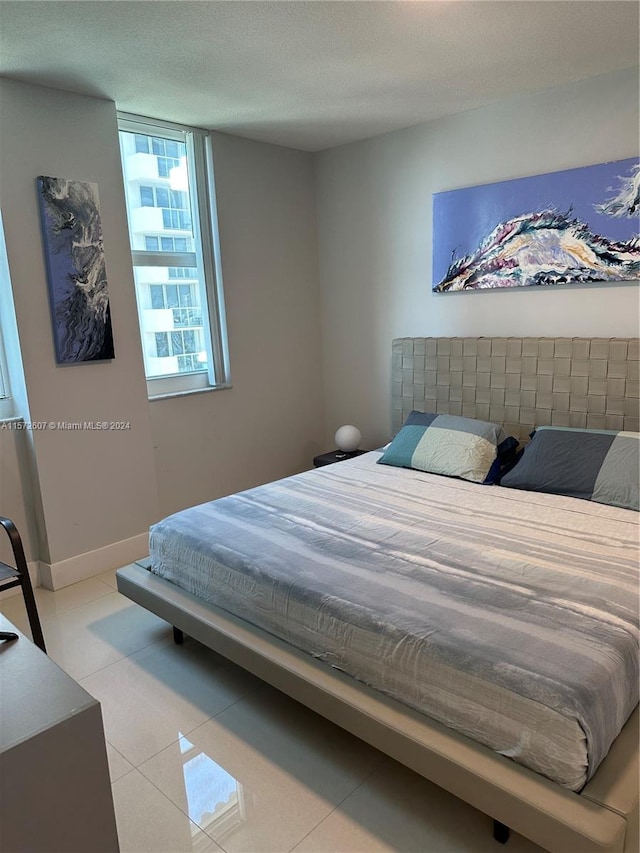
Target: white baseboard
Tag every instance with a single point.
(34, 573)
(57, 575)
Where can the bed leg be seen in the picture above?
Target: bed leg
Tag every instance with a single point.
(500, 832)
(178, 636)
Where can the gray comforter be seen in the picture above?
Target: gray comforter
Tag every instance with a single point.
(509, 616)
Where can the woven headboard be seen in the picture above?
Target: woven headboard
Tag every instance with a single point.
(520, 382)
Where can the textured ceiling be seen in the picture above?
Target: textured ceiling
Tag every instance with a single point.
(312, 75)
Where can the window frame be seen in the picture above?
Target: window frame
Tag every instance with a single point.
(7, 408)
(204, 257)
(7, 402)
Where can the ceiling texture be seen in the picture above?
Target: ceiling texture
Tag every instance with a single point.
(312, 75)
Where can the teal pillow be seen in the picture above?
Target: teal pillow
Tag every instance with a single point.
(450, 445)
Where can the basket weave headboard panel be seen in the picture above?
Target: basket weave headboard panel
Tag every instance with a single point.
(520, 382)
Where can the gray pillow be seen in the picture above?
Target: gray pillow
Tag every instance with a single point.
(595, 465)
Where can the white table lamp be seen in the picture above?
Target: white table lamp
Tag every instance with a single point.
(348, 438)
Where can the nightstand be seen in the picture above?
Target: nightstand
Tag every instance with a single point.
(335, 456)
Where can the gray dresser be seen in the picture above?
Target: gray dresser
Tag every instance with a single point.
(55, 793)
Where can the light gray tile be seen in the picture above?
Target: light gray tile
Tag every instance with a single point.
(99, 633)
(289, 766)
(148, 822)
(396, 811)
(149, 698)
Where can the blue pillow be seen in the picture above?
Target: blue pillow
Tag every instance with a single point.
(595, 465)
(449, 445)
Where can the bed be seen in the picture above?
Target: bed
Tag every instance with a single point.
(360, 525)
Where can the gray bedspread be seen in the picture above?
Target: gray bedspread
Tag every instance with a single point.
(509, 616)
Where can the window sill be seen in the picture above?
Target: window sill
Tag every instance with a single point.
(188, 392)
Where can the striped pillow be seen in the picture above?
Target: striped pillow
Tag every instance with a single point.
(449, 445)
(595, 465)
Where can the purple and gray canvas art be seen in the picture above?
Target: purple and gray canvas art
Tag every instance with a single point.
(72, 233)
(572, 227)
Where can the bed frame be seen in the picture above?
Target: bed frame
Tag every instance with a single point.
(574, 382)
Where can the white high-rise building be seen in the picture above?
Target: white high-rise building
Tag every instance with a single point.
(160, 220)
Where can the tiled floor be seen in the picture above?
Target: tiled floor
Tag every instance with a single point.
(204, 757)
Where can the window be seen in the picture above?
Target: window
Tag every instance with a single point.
(171, 229)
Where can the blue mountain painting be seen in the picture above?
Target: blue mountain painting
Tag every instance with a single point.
(571, 227)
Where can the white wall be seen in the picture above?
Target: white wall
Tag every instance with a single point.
(98, 489)
(374, 223)
(269, 424)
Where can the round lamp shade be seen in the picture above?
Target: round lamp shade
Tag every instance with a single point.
(348, 439)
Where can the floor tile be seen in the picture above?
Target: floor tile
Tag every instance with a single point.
(148, 823)
(108, 577)
(118, 764)
(260, 775)
(397, 810)
(88, 638)
(50, 603)
(151, 697)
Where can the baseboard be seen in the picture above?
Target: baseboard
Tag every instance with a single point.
(61, 574)
(34, 573)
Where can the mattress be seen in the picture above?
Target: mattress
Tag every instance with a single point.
(507, 615)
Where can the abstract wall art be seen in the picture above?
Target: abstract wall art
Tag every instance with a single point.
(578, 226)
(72, 234)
